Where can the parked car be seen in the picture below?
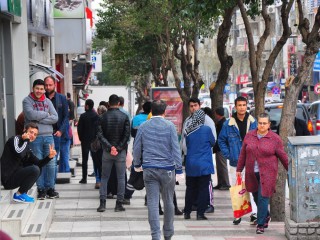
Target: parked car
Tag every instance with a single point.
(275, 110)
(314, 111)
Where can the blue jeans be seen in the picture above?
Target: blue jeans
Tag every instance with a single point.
(62, 147)
(120, 163)
(158, 181)
(40, 148)
(262, 204)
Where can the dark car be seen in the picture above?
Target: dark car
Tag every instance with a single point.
(275, 109)
(314, 110)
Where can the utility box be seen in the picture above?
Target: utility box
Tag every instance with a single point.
(304, 178)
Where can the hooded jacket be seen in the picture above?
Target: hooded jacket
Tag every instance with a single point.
(40, 111)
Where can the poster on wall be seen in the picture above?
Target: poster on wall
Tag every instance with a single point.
(68, 9)
(174, 105)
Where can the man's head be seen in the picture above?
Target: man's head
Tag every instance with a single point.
(219, 113)
(146, 107)
(121, 101)
(194, 105)
(49, 84)
(38, 88)
(32, 130)
(240, 104)
(68, 95)
(114, 100)
(89, 104)
(158, 107)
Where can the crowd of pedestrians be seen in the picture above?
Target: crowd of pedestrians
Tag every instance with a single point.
(45, 138)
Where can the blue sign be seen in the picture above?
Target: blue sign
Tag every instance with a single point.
(227, 88)
(316, 64)
(276, 90)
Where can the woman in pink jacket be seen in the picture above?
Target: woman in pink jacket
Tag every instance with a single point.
(259, 155)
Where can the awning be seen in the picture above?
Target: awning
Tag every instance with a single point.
(35, 66)
(246, 90)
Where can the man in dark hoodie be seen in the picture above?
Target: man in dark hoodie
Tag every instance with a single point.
(20, 168)
(87, 133)
(39, 109)
(231, 137)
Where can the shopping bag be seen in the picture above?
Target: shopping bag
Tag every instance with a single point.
(240, 199)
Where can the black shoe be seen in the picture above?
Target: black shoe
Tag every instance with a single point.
(126, 201)
(187, 216)
(51, 193)
(41, 195)
(217, 187)
(210, 209)
(201, 217)
(236, 221)
(224, 188)
(119, 207)
(92, 175)
(177, 212)
(102, 206)
(83, 181)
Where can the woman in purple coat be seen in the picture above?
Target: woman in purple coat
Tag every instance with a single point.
(259, 155)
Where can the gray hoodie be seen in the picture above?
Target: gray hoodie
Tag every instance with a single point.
(40, 111)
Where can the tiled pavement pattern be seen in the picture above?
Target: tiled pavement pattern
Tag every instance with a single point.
(75, 217)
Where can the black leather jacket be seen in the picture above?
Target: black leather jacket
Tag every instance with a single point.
(114, 129)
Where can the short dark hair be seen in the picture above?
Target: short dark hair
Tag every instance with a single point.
(31, 125)
(158, 107)
(68, 95)
(113, 100)
(146, 107)
(38, 82)
(47, 77)
(240, 99)
(264, 115)
(208, 112)
(194, 100)
(121, 101)
(89, 103)
(220, 111)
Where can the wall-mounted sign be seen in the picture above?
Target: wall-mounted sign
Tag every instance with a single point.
(68, 9)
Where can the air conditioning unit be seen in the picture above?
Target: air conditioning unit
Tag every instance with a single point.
(271, 10)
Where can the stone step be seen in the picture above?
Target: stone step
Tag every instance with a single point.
(63, 177)
(39, 221)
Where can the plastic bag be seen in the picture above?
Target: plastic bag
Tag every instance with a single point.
(240, 199)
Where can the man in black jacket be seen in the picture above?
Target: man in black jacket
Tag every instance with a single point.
(114, 132)
(19, 166)
(87, 133)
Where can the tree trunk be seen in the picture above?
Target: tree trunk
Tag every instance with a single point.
(226, 61)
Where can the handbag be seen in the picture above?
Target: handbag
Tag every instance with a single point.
(95, 146)
(240, 199)
(136, 180)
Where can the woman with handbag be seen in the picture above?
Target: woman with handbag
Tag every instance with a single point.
(259, 155)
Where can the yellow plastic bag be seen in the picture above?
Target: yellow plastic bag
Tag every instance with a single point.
(240, 199)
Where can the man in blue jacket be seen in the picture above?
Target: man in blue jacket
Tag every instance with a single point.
(231, 137)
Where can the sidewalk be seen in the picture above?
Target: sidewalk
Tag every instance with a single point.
(75, 217)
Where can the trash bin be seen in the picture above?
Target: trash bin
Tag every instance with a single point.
(304, 178)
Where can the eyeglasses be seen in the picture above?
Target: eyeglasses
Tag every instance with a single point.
(263, 123)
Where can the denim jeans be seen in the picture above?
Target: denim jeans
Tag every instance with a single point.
(62, 147)
(120, 163)
(158, 181)
(40, 148)
(262, 204)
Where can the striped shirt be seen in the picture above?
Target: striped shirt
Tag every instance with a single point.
(157, 144)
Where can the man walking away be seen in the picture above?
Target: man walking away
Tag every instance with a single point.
(113, 132)
(156, 150)
(221, 162)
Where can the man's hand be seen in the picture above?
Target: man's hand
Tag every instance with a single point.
(52, 151)
(25, 136)
(138, 169)
(114, 151)
(58, 134)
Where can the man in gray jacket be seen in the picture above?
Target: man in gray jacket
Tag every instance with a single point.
(39, 109)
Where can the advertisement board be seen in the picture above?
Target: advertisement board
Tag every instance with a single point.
(174, 104)
(68, 9)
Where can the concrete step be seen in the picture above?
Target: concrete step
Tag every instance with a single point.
(39, 221)
(5, 200)
(63, 177)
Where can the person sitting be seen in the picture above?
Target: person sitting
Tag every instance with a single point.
(19, 166)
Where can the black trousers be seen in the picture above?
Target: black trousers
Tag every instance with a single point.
(23, 178)
(85, 149)
(197, 186)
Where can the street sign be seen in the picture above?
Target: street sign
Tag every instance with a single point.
(316, 64)
(276, 90)
(317, 88)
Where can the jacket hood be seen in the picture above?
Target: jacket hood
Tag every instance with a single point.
(232, 120)
(33, 96)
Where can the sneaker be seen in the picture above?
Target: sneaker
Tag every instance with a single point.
(253, 219)
(217, 187)
(41, 195)
(236, 221)
(51, 193)
(126, 201)
(22, 198)
(260, 230)
(266, 224)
